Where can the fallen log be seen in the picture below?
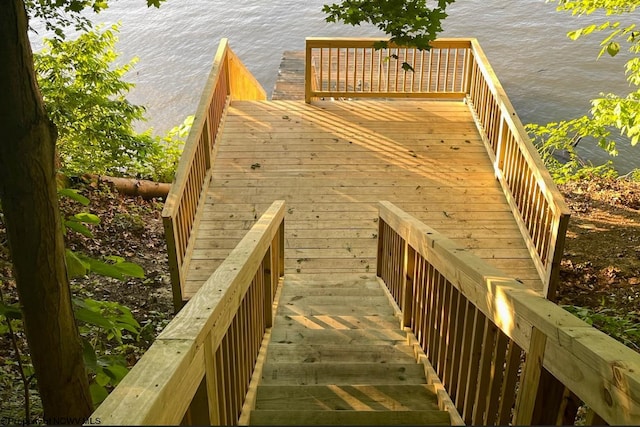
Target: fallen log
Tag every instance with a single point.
(133, 187)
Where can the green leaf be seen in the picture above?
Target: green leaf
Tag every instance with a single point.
(102, 378)
(87, 218)
(91, 317)
(116, 373)
(613, 48)
(10, 311)
(89, 355)
(78, 228)
(75, 266)
(119, 270)
(98, 393)
(130, 269)
(115, 258)
(28, 370)
(74, 195)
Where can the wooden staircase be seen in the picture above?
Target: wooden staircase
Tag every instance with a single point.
(337, 356)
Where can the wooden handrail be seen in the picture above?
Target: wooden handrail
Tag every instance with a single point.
(228, 79)
(538, 206)
(198, 369)
(476, 325)
(353, 68)
(458, 69)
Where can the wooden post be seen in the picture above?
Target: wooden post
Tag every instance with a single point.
(174, 263)
(307, 74)
(530, 381)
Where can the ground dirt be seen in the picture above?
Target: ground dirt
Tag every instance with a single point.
(601, 265)
(600, 270)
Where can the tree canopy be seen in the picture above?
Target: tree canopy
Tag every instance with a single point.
(407, 22)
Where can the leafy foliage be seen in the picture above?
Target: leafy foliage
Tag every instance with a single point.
(556, 144)
(609, 112)
(100, 321)
(407, 22)
(85, 96)
(623, 327)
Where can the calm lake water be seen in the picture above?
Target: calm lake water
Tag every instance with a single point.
(547, 76)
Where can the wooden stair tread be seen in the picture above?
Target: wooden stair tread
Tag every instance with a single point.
(337, 356)
(337, 322)
(322, 353)
(341, 397)
(288, 417)
(346, 337)
(330, 309)
(359, 300)
(343, 279)
(342, 373)
(331, 291)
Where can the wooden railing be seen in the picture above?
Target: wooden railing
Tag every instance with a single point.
(228, 79)
(353, 68)
(539, 209)
(505, 354)
(199, 368)
(454, 68)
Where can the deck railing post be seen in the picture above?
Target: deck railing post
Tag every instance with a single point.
(467, 72)
(307, 73)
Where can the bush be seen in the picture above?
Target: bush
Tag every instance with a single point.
(85, 96)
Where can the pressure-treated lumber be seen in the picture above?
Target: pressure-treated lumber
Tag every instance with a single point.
(332, 162)
(322, 366)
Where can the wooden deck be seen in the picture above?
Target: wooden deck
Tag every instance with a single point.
(332, 162)
(467, 193)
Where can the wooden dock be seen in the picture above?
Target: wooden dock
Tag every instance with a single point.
(427, 225)
(290, 81)
(332, 162)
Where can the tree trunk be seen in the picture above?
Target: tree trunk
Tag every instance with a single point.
(30, 206)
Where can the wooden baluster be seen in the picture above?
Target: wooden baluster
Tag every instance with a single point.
(593, 419)
(450, 379)
(474, 365)
(494, 396)
(483, 388)
(212, 381)
(465, 354)
(407, 296)
(530, 382)
(554, 405)
(269, 288)
(509, 383)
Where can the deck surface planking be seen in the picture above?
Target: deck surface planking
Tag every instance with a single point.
(332, 162)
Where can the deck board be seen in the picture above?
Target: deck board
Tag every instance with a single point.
(332, 162)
